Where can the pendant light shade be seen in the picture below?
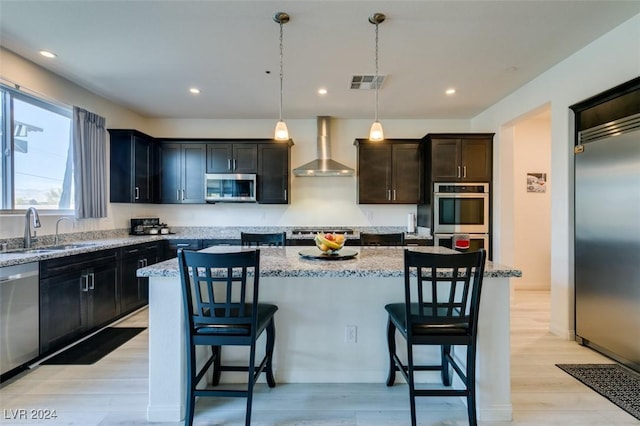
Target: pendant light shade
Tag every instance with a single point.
(281, 132)
(376, 133)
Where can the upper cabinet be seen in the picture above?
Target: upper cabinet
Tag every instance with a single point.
(273, 173)
(390, 172)
(461, 157)
(134, 166)
(183, 168)
(232, 157)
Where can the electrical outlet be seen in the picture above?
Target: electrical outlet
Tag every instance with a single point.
(350, 334)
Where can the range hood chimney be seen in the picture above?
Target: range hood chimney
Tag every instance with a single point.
(323, 165)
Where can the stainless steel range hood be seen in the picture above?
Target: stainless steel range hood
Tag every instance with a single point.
(323, 166)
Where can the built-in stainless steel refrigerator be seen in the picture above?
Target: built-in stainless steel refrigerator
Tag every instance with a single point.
(607, 239)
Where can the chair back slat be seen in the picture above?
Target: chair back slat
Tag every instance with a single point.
(443, 288)
(220, 289)
(268, 239)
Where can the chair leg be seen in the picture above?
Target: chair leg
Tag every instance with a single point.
(250, 382)
(217, 353)
(271, 339)
(191, 398)
(391, 342)
(412, 384)
(471, 384)
(445, 351)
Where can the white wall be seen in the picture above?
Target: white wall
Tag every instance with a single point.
(532, 210)
(611, 60)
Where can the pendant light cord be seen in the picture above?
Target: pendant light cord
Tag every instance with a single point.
(376, 80)
(281, 70)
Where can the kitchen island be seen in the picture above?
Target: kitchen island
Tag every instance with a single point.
(317, 300)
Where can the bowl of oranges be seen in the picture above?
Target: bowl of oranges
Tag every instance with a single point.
(329, 243)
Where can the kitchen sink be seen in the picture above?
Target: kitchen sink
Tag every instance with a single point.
(52, 249)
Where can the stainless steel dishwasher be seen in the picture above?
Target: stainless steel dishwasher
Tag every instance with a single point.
(19, 315)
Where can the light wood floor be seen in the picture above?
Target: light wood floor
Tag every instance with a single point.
(114, 390)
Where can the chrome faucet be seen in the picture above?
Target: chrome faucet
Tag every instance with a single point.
(28, 239)
(57, 239)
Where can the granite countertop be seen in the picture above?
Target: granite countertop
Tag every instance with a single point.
(37, 254)
(101, 240)
(369, 262)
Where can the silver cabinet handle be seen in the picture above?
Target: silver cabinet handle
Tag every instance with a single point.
(394, 195)
(177, 195)
(92, 281)
(229, 164)
(84, 283)
(464, 170)
(458, 172)
(389, 194)
(137, 191)
(182, 195)
(285, 195)
(235, 164)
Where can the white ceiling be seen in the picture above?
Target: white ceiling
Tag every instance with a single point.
(146, 54)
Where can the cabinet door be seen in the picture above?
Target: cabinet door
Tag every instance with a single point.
(374, 173)
(406, 170)
(143, 170)
(63, 310)
(445, 160)
(170, 180)
(192, 173)
(245, 158)
(219, 156)
(103, 295)
(134, 167)
(183, 169)
(273, 174)
(133, 290)
(476, 160)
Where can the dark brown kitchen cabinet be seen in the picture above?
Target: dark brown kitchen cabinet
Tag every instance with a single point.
(183, 169)
(134, 166)
(273, 173)
(461, 157)
(390, 172)
(236, 157)
(78, 294)
(172, 246)
(134, 290)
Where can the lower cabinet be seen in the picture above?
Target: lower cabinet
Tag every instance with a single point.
(134, 291)
(77, 294)
(172, 246)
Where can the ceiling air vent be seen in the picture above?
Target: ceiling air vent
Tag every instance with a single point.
(367, 82)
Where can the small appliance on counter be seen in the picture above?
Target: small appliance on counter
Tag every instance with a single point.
(148, 226)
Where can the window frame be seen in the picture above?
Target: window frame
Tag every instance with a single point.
(7, 143)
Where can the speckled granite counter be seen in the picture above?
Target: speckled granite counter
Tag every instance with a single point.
(370, 262)
(316, 300)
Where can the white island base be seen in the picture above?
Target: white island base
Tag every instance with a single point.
(311, 345)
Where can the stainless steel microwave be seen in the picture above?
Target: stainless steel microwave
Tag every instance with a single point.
(230, 187)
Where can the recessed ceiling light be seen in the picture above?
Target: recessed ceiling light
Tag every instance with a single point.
(48, 54)
(450, 92)
(322, 91)
(194, 90)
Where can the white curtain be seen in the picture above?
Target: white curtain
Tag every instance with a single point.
(89, 159)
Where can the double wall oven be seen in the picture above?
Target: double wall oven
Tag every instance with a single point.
(461, 215)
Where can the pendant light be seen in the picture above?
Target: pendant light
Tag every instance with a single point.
(376, 133)
(281, 132)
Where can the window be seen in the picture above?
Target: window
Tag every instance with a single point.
(37, 167)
